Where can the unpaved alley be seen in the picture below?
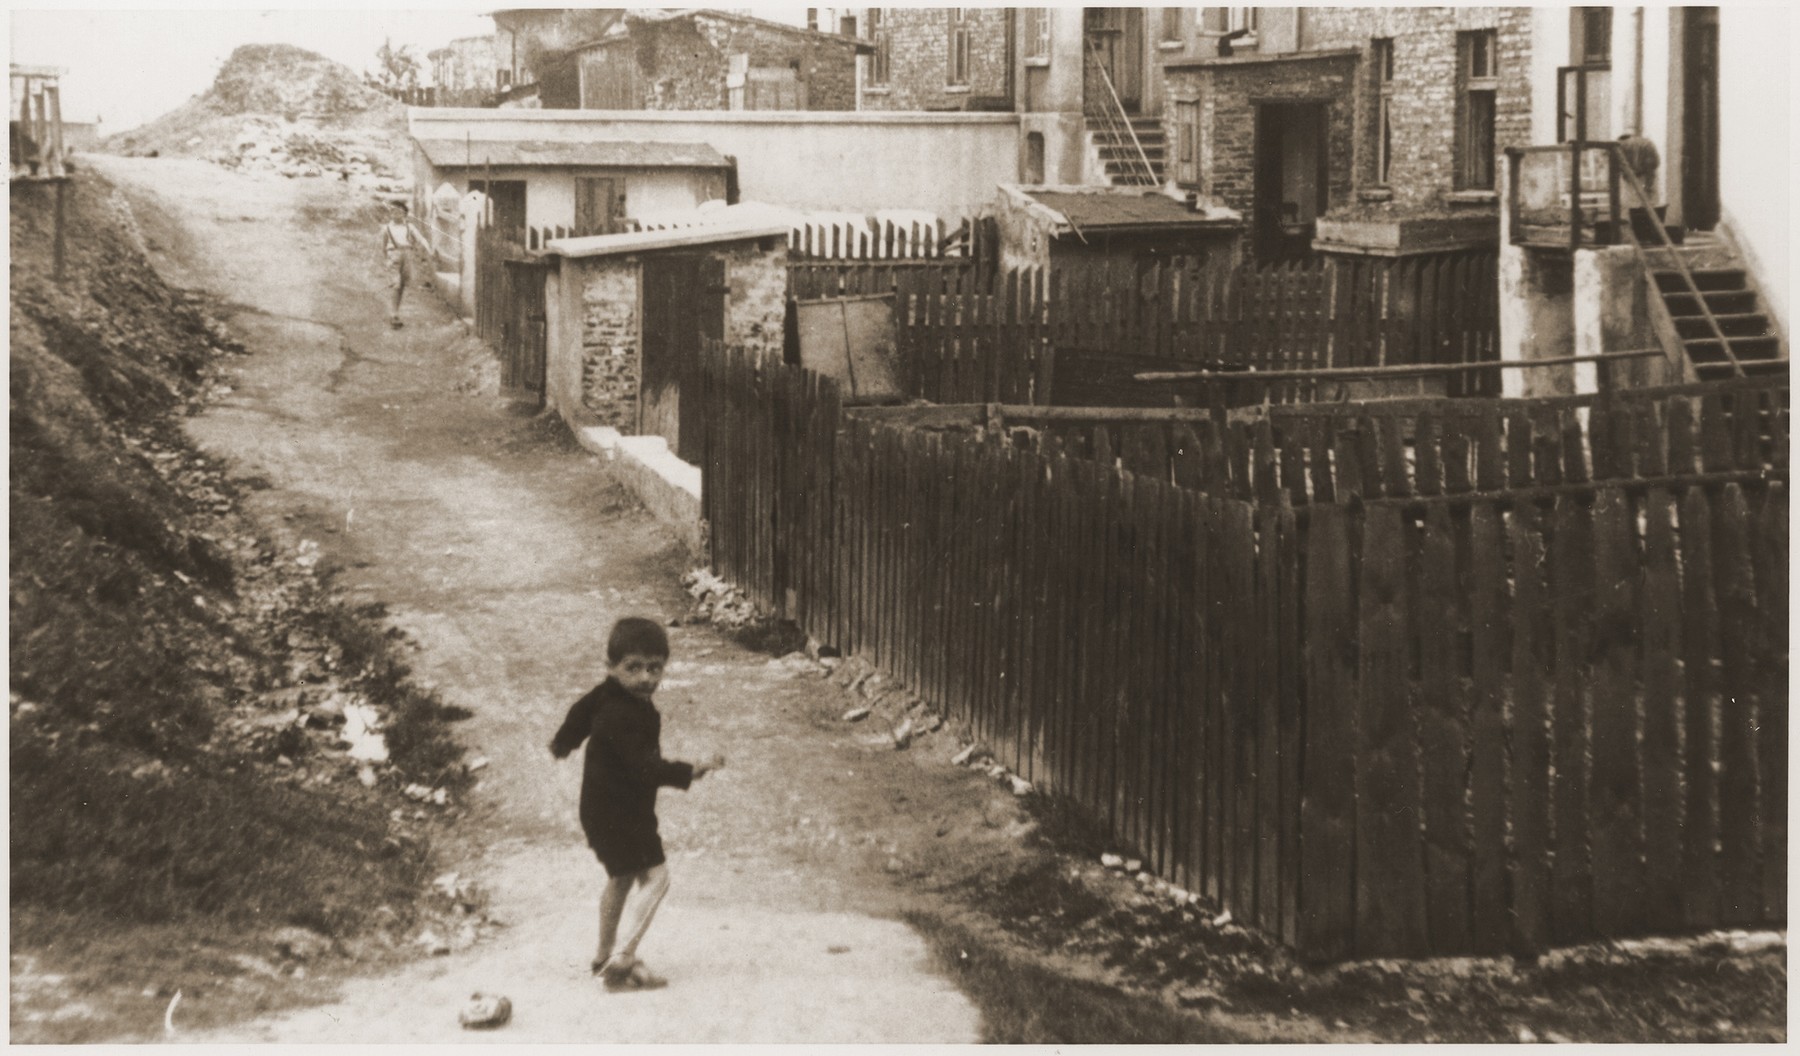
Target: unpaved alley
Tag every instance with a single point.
(504, 552)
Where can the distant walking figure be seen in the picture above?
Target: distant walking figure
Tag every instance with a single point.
(397, 245)
(624, 768)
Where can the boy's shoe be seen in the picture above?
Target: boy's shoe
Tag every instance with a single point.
(629, 974)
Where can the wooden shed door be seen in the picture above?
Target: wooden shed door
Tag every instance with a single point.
(684, 301)
(596, 205)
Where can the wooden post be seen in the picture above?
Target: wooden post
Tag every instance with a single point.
(58, 225)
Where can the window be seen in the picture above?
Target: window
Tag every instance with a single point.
(957, 73)
(1590, 36)
(878, 62)
(1241, 18)
(1034, 158)
(1478, 83)
(1382, 56)
(1171, 25)
(812, 19)
(1037, 33)
(1187, 142)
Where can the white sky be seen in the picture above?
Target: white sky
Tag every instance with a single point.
(131, 66)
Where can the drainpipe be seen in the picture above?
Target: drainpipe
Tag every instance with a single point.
(1012, 20)
(1637, 71)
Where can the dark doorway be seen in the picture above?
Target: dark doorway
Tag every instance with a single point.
(596, 205)
(684, 303)
(1700, 117)
(1291, 179)
(506, 203)
(1115, 41)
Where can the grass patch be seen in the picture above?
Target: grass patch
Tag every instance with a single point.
(99, 831)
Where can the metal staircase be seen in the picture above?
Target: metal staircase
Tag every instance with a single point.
(1130, 149)
(1707, 306)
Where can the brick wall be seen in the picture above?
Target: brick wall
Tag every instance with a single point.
(757, 311)
(919, 59)
(610, 348)
(1422, 104)
(1228, 96)
(682, 64)
(827, 67)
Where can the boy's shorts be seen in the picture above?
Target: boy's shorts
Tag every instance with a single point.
(625, 853)
(400, 270)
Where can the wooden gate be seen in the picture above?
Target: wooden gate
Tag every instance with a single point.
(509, 307)
(684, 305)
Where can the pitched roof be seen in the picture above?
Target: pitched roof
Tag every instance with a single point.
(458, 154)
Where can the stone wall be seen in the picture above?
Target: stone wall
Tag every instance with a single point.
(919, 59)
(683, 63)
(610, 341)
(756, 314)
(1229, 93)
(1422, 104)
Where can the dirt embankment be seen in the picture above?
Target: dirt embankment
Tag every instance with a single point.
(185, 811)
(275, 108)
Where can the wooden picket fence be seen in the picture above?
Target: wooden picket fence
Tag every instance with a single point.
(1371, 725)
(1105, 320)
(1323, 451)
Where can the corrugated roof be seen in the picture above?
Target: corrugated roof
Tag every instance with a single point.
(1102, 210)
(456, 153)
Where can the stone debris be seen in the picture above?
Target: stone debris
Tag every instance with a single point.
(366, 774)
(432, 943)
(856, 714)
(718, 601)
(1133, 865)
(485, 1012)
(1020, 786)
(1112, 861)
(903, 734)
(962, 757)
(480, 762)
(362, 733)
(300, 944)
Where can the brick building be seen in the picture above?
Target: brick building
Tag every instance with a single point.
(706, 60)
(465, 65)
(627, 313)
(937, 58)
(526, 39)
(1362, 129)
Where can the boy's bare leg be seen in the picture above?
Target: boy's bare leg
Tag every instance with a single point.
(654, 883)
(612, 908)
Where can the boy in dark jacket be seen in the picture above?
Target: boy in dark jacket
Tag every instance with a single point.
(624, 769)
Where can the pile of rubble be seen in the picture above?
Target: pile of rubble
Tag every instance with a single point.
(299, 149)
(718, 602)
(283, 111)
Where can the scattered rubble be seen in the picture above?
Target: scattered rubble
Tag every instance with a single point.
(485, 1012)
(717, 601)
(279, 110)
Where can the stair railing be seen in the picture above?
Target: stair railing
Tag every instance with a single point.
(1622, 167)
(1114, 116)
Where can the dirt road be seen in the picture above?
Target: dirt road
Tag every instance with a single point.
(506, 554)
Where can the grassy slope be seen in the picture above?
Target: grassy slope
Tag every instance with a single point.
(149, 623)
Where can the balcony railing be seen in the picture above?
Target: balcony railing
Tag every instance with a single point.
(1572, 191)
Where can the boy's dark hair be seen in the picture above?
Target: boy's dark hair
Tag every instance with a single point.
(400, 206)
(639, 636)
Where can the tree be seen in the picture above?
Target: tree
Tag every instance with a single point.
(399, 67)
